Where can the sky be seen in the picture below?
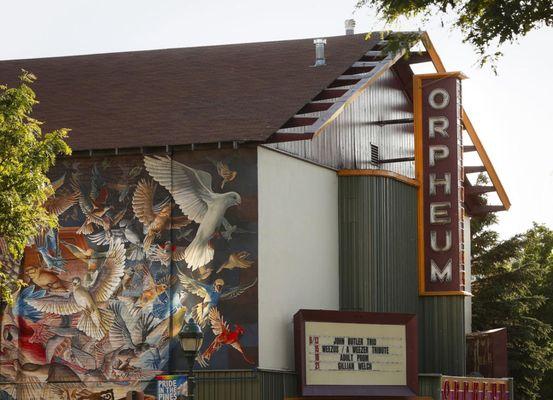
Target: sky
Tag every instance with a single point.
(511, 111)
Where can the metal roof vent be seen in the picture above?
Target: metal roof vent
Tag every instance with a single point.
(350, 26)
(375, 154)
(319, 52)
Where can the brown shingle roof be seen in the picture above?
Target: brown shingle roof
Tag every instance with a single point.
(182, 96)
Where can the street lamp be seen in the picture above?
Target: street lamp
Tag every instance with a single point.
(191, 338)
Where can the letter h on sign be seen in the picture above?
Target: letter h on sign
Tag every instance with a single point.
(439, 173)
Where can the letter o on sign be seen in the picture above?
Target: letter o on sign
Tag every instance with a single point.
(440, 104)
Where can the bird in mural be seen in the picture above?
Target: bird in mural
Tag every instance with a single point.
(151, 288)
(225, 172)
(55, 263)
(167, 252)
(185, 235)
(98, 188)
(20, 306)
(122, 183)
(192, 191)
(57, 203)
(46, 243)
(102, 238)
(210, 294)
(229, 230)
(92, 204)
(224, 336)
(128, 289)
(94, 321)
(91, 257)
(237, 260)
(129, 332)
(169, 328)
(46, 279)
(156, 218)
(127, 233)
(111, 220)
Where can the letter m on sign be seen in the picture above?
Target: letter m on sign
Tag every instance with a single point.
(438, 274)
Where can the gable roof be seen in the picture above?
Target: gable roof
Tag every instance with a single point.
(239, 92)
(183, 96)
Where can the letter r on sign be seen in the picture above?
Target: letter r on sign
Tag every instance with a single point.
(438, 124)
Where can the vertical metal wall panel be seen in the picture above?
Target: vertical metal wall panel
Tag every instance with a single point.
(231, 385)
(346, 142)
(442, 343)
(378, 245)
(277, 385)
(379, 268)
(429, 385)
(245, 385)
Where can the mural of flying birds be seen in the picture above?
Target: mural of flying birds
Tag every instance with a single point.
(91, 257)
(116, 316)
(58, 203)
(192, 191)
(210, 295)
(237, 260)
(224, 336)
(224, 172)
(166, 253)
(94, 321)
(156, 218)
(91, 206)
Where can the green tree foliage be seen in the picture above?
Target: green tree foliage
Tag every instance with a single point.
(26, 154)
(514, 289)
(484, 24)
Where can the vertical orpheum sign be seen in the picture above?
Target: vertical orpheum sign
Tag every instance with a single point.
(439, 154)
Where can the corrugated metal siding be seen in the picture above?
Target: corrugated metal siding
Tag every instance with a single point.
(379, 269)
(245, 385)
(345, 143)
(429, 385)
(378, 245)
(276, 385)
(210, 385)
(442, 338)
(232, 385)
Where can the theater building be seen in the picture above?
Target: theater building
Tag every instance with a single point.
(237, 185)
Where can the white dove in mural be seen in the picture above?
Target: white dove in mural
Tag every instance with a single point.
(94, 321)
(192, 191)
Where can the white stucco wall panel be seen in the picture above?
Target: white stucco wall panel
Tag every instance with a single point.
(298, 249)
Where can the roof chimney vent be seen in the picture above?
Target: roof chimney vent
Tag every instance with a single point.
(319, 52)
(350, 26)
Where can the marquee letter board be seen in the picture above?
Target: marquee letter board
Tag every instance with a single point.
(341, 353)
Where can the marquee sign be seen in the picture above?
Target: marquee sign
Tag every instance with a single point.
(355, 353)
(439, 170)
(468, 388)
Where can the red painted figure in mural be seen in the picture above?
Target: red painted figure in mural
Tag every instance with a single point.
(224, 336)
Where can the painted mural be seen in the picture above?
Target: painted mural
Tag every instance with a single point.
(145, 243)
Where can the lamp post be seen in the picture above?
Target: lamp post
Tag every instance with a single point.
(191, 338)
